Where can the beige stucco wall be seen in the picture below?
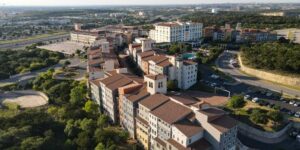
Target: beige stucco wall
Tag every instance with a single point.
(292, 81)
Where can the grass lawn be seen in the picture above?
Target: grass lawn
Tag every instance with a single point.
(32, 38)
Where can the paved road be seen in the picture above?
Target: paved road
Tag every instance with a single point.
(223, 65)
(29, 42)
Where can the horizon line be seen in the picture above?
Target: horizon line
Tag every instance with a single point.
(182, 4)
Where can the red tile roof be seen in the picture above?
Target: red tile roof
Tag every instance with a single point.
(171, 112)
(154, 101)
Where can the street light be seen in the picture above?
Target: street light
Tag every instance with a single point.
(222, 90)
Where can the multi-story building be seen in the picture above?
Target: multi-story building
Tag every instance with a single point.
(101, 58)
(143, 129)
(129, 106)
(84, 37)
(109, 92)
(176, 32)
(162, 121)
(221, 130)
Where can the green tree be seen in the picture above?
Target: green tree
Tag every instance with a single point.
(78, 95)
(102, 121)
(276, 116)
(32, 143)
(71, 129)
(258, 116)
(87, 125)
(83, 140)
(171, 85)
(100, 146)
(236, 101)
(91, 107)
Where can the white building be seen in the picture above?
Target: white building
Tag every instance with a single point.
(176, 32)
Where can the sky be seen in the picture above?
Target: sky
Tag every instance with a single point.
(127, 2)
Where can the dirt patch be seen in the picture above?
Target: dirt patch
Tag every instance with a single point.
(26, 99)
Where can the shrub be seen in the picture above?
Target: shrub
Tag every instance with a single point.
(236, 101)
(258, 116)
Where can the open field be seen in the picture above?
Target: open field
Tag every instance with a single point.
(67, 47)
(26, 99)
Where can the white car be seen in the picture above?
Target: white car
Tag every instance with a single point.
(269, 94)
(215, 76)
(246, 97)
(297, 104)
(292, 102)
(255, 100)
(297, 114)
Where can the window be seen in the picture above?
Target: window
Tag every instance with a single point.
(151, 84)
(160, 84)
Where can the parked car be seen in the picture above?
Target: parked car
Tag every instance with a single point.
(293, 133)
(291, 113)
(297, 114)
(298, 137)
(297, 104)
(284, 110)
(269, 94)
(263, 103)
(214, 76)
(292, 102)
(213, 84)
(247, 97)
(255, 100)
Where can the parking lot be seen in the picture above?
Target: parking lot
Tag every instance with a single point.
(266, 97)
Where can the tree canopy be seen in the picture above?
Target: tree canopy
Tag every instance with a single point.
(61, 125)
(29, 59)
(283, 57)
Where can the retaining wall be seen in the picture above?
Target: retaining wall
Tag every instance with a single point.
(292, 81)
(263, 136)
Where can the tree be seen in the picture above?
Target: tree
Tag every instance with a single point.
(32, 143)
(171, 85)
(66, 63)
(276, 116)
(258, 116)
(236, 101)
(70, 129)
(83, 140)
(91, 107)
(102, 121)
(100, 146)
(87, 125)
(77, 95)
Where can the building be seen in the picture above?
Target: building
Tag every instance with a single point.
(77, 26)
(280, 14)
(160, 120)
(176, 32)
(132, 94)
(101, 58)
(220, 129)
(84, 37)
(109, 92)
(142, 120)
